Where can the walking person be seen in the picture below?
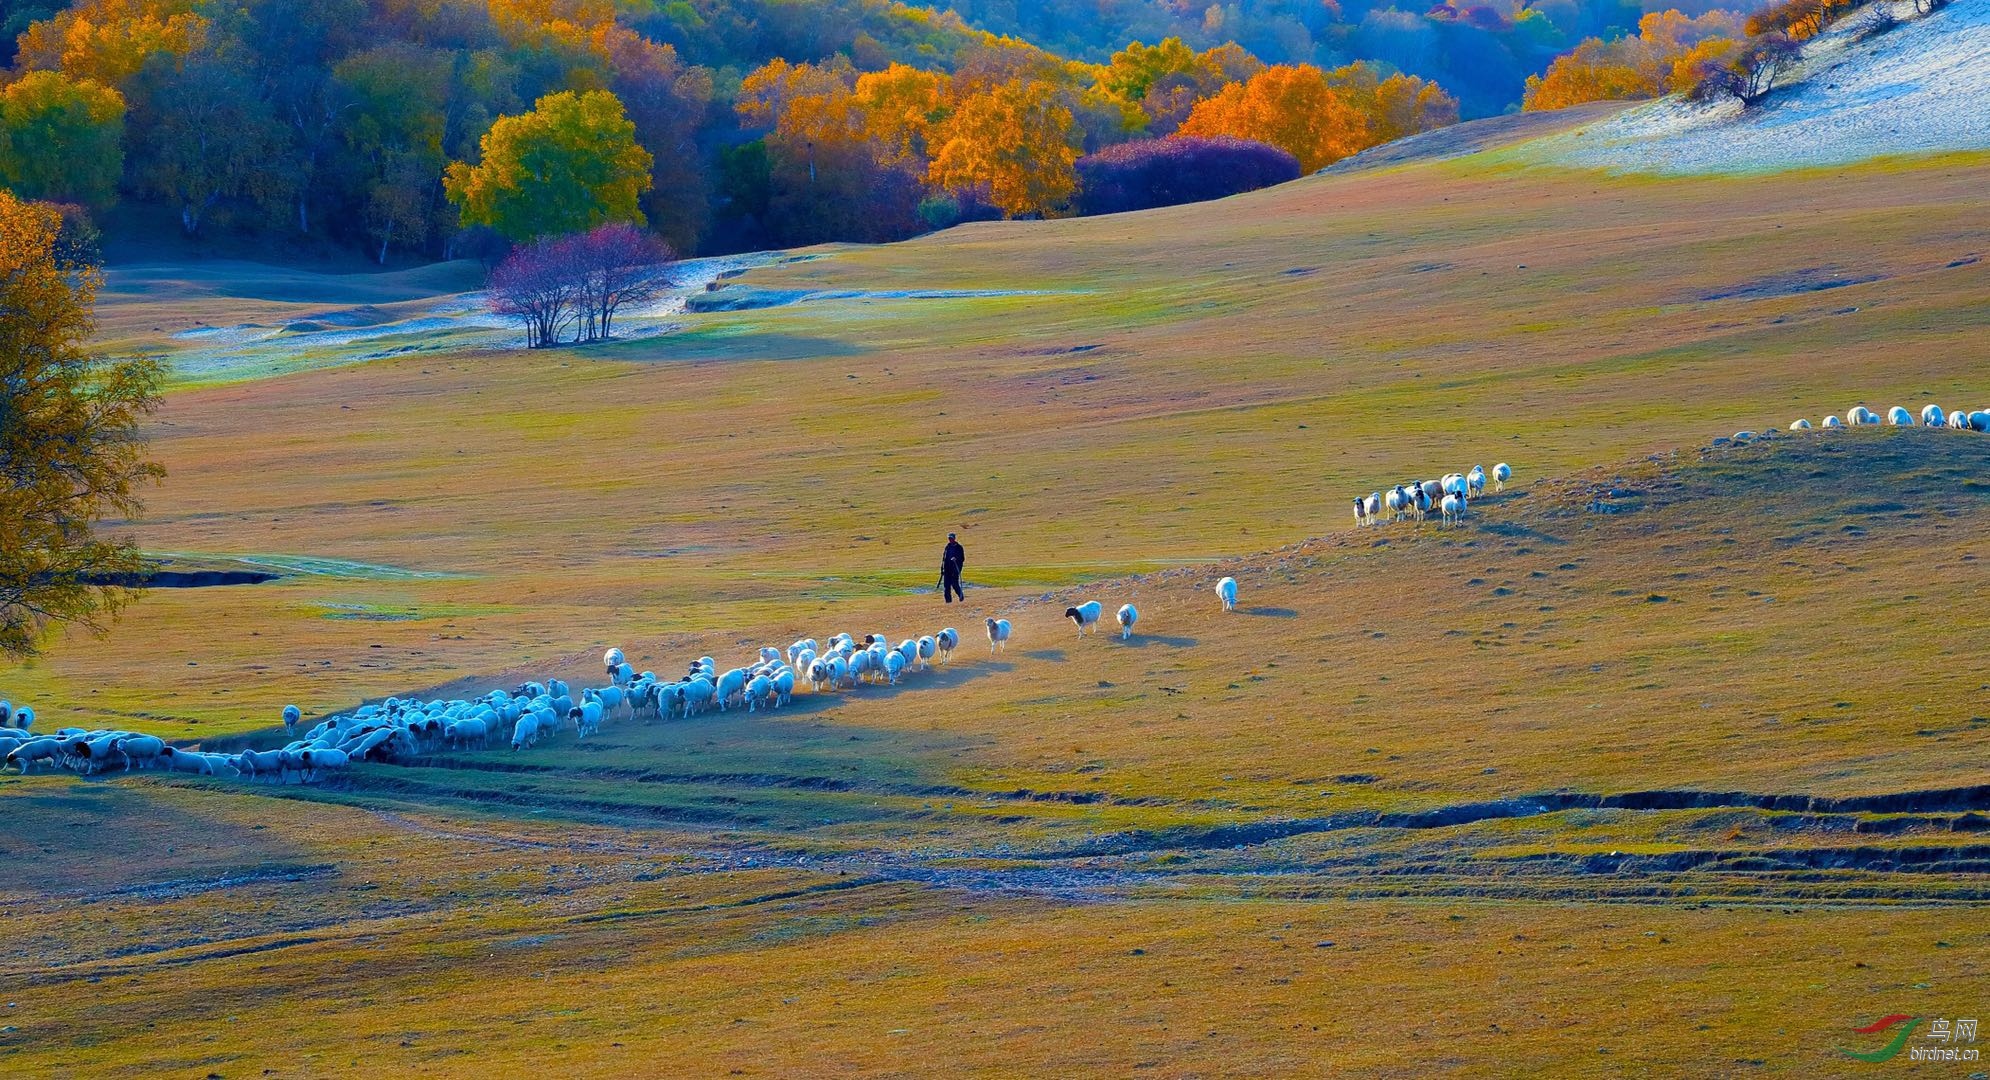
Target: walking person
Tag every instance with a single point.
(951, 562)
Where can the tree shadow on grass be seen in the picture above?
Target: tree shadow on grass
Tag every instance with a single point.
(1056, 655)
(1270, 612)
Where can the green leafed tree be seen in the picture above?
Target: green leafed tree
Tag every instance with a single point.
(570, 164)
(61, 139)
(71, 449)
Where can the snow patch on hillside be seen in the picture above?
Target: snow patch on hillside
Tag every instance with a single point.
(1922, 88)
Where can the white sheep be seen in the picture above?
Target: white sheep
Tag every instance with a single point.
(1800, 424)
(928, 648)
(1475, 482)
(1226, 591)
(1980, 420)
(1959, 419)
(947, 641)
(1933, 416)
(730, 685)
(612, 659)
(1501, 473)
(1452, 508)
(784, 687)
(1833, 422)
(1360, 512)
(42, 749)
(1086, 615)
(893, 666)
(1398, 501)
(1127, 616)
(998, 635)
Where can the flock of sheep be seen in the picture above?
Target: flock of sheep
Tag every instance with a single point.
(1451, 496)
(91, 752)
(1898, 416)
(400, 729)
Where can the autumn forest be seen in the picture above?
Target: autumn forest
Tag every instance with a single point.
(419, 129)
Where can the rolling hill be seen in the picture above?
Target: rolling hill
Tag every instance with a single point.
(1666, 761)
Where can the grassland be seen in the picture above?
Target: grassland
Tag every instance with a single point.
(1667, 764)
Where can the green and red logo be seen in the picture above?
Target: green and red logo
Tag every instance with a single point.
(1892, 1049)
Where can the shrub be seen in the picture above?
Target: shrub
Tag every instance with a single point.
(1166, 172)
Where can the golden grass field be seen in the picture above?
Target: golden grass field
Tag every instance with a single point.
(1084, 857)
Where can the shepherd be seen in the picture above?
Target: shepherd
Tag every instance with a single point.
(951, 562)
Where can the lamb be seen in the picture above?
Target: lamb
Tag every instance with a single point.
(1226, 591)
(1086, 615)
(998, 635)
(1360, 512)
(1501, 473)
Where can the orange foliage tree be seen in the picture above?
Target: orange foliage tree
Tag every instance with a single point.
(1012, 144)
(1651, 63)
(107, 41)
(1291, 107)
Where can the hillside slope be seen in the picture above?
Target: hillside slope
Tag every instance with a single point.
(1919, 89)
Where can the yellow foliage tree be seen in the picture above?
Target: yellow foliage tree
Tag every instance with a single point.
(1397, 106)
(1289, 106)
(902, 105)
(1646, 65)
(107, 41)
(1011, 143)
(61, 138)
(568, 165)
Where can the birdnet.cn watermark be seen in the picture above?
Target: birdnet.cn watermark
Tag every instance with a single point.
(1918, 1039)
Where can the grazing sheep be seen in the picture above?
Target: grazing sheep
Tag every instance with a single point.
(1899, 417)
(525, 733)
(1933, 416)
(1501, 473)
(1980, 420)
(1226, 591)
(42, 749)
(465, 732)
(1799, 424)
(1086, 615)
(998, 635)
(1959, 420)
(1833, 422)
(1127, 616)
